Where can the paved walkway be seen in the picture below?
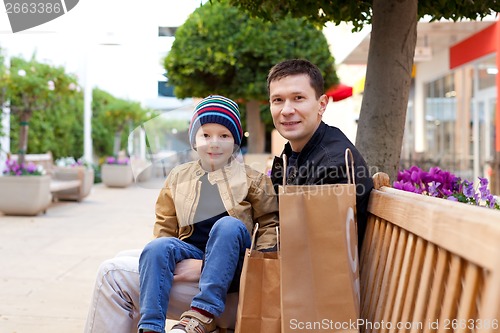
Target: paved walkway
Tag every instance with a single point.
(48, 263)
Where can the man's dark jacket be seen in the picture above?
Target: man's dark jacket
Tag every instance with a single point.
(322, 161)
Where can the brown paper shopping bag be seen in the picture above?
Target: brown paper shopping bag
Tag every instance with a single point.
(259, 301)
(319, 257)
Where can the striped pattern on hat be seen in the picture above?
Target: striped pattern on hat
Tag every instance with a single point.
(219, 110)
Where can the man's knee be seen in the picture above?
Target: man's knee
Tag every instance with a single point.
(118, 268)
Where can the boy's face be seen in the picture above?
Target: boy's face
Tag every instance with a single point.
(295, 109)
(215, 145)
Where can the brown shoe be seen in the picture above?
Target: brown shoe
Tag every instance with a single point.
(194, 322)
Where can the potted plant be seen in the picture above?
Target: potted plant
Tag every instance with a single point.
(24, 189)
(117, 172)
(29, 87)
(116, 117)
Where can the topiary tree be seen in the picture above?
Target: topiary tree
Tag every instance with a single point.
(111, 116)
(221, 50)
(390, 57)
(59, 129)
(35, 88)
(102, 136)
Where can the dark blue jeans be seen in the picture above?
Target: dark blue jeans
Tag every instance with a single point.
(223, 257)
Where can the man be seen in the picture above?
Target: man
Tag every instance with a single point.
(315, 151)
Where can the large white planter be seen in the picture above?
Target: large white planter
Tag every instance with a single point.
(115, 175)
(85, 175)
(24, 195)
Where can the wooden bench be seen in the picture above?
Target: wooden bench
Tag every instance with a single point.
(429, 264)
(66, 183)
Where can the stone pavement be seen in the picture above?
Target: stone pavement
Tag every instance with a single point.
(48, 263)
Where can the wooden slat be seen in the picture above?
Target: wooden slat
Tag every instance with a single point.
(451, 296)
(388, 273)
(402, 285)
(394, 277)
(489, 309)
(416, 268)
(467, 301)
(365, 250)
(437, 291)
(374, 268)
(423, 294)
(378, 280)
(369, 269)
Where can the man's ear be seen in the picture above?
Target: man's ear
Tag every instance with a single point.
(323, 103)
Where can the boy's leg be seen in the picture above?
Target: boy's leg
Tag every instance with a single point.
(228, 240)
(156, 267)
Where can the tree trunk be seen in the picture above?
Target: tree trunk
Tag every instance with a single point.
(117, 142)
(23, 136)
(388, 77)
(256, 129)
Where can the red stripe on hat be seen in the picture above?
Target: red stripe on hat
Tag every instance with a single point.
(218, 109)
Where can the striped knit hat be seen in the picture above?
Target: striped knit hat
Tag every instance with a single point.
(219, 110)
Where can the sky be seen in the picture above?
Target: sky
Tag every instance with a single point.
(80, 41)
(94, 15)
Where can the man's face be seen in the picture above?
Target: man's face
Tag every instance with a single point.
(215, 145)
(295, 109)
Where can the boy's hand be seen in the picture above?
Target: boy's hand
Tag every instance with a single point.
(188, 270)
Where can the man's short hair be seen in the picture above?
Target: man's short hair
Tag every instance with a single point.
(298, 67)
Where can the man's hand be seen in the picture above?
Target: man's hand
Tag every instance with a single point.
(188, 270)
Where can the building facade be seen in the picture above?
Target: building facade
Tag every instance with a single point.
(453, 117)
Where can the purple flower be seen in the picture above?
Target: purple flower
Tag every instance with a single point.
(443, 184)
(13, 168)
(468, 189)
(434, 189)
(119, 161)
(110, 160)
(30, 168)
(483, 181)
(483, 187)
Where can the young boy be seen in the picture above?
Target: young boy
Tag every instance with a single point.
(206, 210)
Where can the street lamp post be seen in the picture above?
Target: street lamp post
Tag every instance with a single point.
(5, 117)
(87, 114)
(107, 39)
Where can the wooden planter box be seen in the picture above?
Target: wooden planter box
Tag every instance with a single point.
(115, 175)
(24, 195)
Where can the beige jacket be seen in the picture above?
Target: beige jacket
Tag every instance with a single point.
(247, 195)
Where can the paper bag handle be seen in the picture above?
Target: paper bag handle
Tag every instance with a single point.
(350, 173)
(254, 237)
(285, 162)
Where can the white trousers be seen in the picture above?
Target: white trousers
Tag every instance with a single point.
(115, 301)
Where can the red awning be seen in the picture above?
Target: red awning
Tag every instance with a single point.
(339, 92)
